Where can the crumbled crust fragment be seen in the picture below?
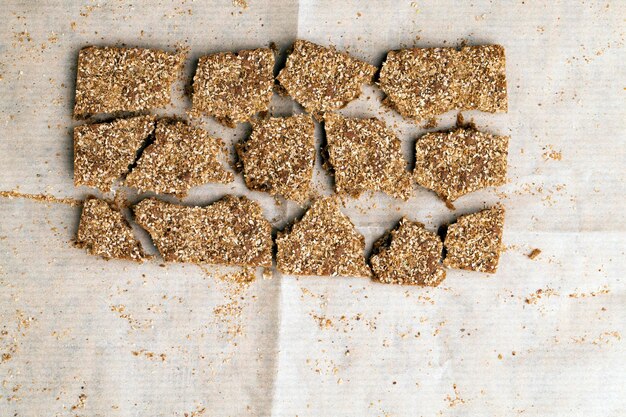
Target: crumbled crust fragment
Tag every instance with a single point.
(323, 79)
(279, 156)
(365, 155)
(460, 161)
(231, 231)
(104, 152)
(323, 242)
(409, 254)
(180, 158)
(114, 79)
(474, 242)
(423, 83)
(104, 232)
(233, 87)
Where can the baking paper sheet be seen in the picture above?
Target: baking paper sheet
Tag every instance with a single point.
(86, 337)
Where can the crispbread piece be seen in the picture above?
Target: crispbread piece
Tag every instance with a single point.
(322, 79)
(474, 241)
(423, 83)
(409, 254)
(114, 79)
(232, 87)
(104, 152)
(460, 161)
(180, 158)
(231, 231)
(365, 155)
(323, 242)
(104, 231)
(279, 156)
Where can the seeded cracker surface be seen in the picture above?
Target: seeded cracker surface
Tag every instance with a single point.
(423, 83)
(323, 242)
(113, 79)
(474, 241)
(231, 231)
(461, 161)
(103, 152)
(365, 155)
(279, 156)
(409, 254)
(322, 79)
(103, 231)
(233, 87)
(180, 158)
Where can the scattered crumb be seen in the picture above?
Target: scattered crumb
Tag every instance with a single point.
(534, 253)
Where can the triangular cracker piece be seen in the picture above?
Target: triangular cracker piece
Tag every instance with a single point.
(323, 242)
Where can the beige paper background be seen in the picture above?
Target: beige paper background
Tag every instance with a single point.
(325, 346)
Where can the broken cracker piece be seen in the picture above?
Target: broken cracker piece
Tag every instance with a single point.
(112, 79)
(408, 254)
(104, 232)
(181, 157)
(323, 79)
(365, 155)
(104, 152)
(474, 242)
(233, 87)
(423, 83)
(323, 242)
(279, 156)
(232, 231)
(460, 161)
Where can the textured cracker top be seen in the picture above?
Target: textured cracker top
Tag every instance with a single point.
(409, 254)
(104, 231)
(279, 156)
(460, 161)
(323, 79)
(365, 155)
(233, 87)
(114, 79)
(474, 242)
(231, 231)
(323, 242)
(104, 152)
(180, 158)
(423, 83)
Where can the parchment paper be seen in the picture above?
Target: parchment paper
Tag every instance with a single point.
(83, 336)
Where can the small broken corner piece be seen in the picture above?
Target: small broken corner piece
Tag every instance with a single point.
(231, 231)
(323, 79)
(279, 156)
(113, 80)
(104, 152)
(233, 87)
(365, 155)
(408, 254)
(474, 242)
(422, 83)
(104, 232)
(324, 243)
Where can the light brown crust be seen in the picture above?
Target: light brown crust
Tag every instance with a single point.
(365, 155)
(460, 161)
(231, 231)
(323, 79)
(104, 232)
(474, 242)
(323, 242)
(409, 254)
(423, 83)
(112, 79)
(180, 158)
(233, 87)
(104, 152)
(279, 156)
